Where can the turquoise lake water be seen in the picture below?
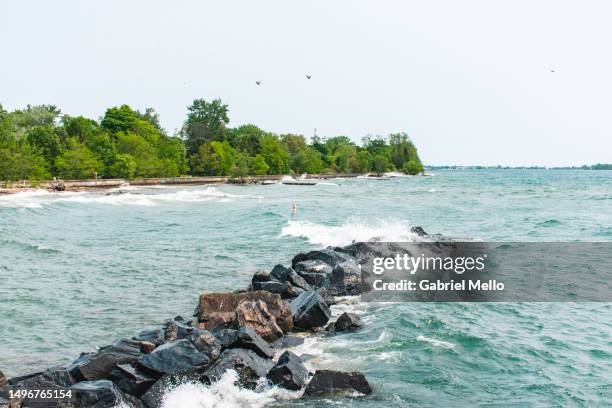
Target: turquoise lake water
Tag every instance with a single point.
(79, 270)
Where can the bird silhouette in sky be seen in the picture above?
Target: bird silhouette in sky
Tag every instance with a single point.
(308, 76)
(258, 82)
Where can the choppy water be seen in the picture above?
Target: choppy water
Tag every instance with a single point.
(81, 269)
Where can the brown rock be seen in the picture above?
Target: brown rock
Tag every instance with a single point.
(216, 309)
(3, 380)
(146, 347)
(254, 313)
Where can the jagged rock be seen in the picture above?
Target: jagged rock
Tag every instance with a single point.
(327, 297)
(172, 357)
(255, 314)
(284, 289)
(288, 275)
(310, 311)
(249, 366)
(419, 231)
(147, 347)
(98, 366)
(288, 341)
(176, 329)
(363, 251)
(226, 337)
(260, 276)
(3, 380)
(222, 307)
(328, 256)
(205, 342)
(325, 382)
(153, 335)
(346, 279)
(289, 372)
(313, 266)
(96, 394)
(131, 380)
(345, 322)
(248, 339)
(58, 376)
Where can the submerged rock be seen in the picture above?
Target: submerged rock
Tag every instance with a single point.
(131, 380)
(98, 366)
(346, 321)
(310, 311)
(219, 309)
(326, 382)
(419, 231)
(249, 366)
(172, 357)
(289, 372)
(255, 314)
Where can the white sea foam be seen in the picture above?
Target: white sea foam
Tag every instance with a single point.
(435, 342)
(224, 394)
(38, 198)
(352, 230)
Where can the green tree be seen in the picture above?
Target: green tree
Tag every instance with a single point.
(293, 143)
(21, 162)
(259, 165)
(307, 160)
(45, 140)
(77, 162)
(119, 119)
(205, 122)
(380, 163)
(275, 155)
(413, 167)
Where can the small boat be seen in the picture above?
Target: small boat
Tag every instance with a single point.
(269, 182)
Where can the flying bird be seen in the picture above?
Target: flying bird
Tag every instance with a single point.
(308, 76)
(258, 82)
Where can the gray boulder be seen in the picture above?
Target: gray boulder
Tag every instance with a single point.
(98, 366)
(310, 311)
(345, 322)
(172, 357)
(328, 382)
(289, 372)
(97, 394)
(131, 380)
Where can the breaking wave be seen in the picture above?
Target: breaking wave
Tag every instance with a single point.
(352, 230)
(38, 198)
(225, 393)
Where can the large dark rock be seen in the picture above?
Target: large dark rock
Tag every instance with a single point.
(206, 343)
(329, 256)
(289, 372)
(345, 322)
(131, 380)
(255, 314)
(97, 394)
(172, 357)
(310, 311)
(226, 337)
(363, 251)
(3, 380)
(98, 366)
(247, 338)
(249, 366)
(313, 266)
(346, 279)
(176, 330)
(419, 231)
(153, 335)
(58, 376)
(288, 275)
(326, 382)
(218, 310)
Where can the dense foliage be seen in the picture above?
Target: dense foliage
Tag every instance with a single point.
(38, 143)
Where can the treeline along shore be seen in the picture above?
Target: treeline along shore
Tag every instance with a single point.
(40, 143)
(248, 333)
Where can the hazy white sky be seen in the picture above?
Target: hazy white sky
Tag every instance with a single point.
(469, 81)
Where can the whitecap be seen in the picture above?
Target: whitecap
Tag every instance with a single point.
(350, 231)
(225, 393)
(435, 342)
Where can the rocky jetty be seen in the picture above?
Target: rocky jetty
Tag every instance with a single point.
(248, 331)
